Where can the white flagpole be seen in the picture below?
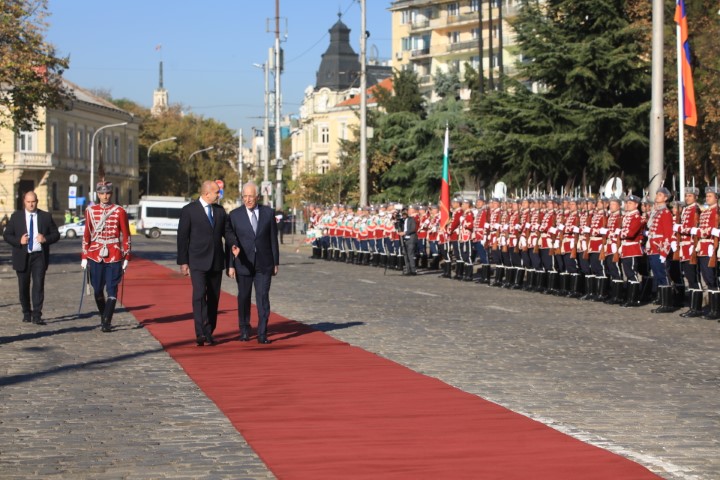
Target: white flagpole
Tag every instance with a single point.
(681, 113)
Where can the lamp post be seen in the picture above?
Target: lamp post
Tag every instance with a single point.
(189, 163)
(266, 125)
(92, 156)
(147, 189)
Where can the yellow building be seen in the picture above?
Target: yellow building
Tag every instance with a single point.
(45, 159)
(328, 113)
(442, 35)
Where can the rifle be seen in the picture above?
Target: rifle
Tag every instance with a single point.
(678, 237)
(712, 261)
(616, 255)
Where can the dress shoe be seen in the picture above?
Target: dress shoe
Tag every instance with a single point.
(39, 321)
(27, 319)
(200, 341)
(106, 328)
(264, 340)
(244, 337)
(210, 341)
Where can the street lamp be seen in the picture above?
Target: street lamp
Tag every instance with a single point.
(266, 124)
(92, 156)
(147, 189)
(189, 163)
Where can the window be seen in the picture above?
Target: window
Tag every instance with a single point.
(162, 212)
(454, 37)
(406, 44)
(82, 151)
(70, 146)
(475, 62)
(26, 142)
(474, 5)
(130, 200)
(116, 149)
(405, 16)
(324, 134)
(54, 140)
(324, 165)
(453, 9)
(130, 153)
(475, 33)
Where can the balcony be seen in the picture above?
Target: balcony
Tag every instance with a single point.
(456, 47)
(420, 53)
(33, 160)
(421, 24)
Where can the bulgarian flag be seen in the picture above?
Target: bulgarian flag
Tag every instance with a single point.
(445, 185)
(686, 90)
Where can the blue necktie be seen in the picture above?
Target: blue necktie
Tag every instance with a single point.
(210, 215)
(253, 221)
(31, 234)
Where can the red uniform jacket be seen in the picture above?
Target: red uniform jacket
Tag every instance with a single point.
(660, 231)
(631, 235)
(107, 234)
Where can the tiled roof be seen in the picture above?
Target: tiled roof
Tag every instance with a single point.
(387, 84)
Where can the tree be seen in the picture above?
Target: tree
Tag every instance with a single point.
(405, 95)
(30, 70)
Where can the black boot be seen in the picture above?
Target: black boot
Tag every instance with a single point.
(106, 324)
(665, 293)
(614, 296)
(459, 266)
(564, 284)
(101, 305)
(552, 287)
(509, 279)
(350, 257)
(468, 272)
(424, 261)
(400, 265)
(435, 262)
(589, 288)
(366, 259)
(529, 280)
(499, 275)
(541, 282)
(575, 286)
(678, 296)
(376, 260)
(519, 277)
(445, 270)
(634, 294)
(696, 298)
(646, 295)
(601, 289)
(714, 301)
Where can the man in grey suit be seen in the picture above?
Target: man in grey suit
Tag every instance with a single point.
(252, 236)
(30, 231)
(409, 241)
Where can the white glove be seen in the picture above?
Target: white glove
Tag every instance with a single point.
(613, 248)
(572, 244)
(561, 226)
(518, 227)
(577, 229)
(715, 232)
(504, 228)
(125, 264)
(586, 230)
(523, 242)
(603, 231)
(496, 226)
(556, 245)
(584, 245)
(503, 241)
(711, 250)
(662, 258)
(673, 246)
(83, 263)
(527, 225)
(486, 226)
(693, 231)
(617, 231)
(552, 230)
(676, 227)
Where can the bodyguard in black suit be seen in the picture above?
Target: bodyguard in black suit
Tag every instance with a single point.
(30, 232)
(252, 236)
(201, 254)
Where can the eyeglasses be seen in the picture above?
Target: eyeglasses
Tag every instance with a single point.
(249, 196)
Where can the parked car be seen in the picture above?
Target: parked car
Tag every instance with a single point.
(72, 230)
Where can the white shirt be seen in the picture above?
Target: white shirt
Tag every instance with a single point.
(37, 247)
(249, 213)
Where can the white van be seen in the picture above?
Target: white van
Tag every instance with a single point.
(159, 215)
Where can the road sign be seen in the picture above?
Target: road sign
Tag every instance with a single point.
(73, 178)
(266, 188)
(72, 194)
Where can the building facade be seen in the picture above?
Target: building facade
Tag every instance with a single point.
(45, 159)
(330, 109)
(443, 35)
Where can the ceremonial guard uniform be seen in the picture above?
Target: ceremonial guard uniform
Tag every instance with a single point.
(597, 283)
(465, 230)
(570, 278)
(452, 231)
(105, 251)
(423, 221)
(659, 241)
(631, 238)
(707, 246)
(433, 231)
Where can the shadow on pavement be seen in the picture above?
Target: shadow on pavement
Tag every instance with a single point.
(44, 333)
(294, 329)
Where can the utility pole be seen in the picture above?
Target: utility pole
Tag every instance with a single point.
(278, 141)
(363, 109)
(657, 125)
(240, 165)
(481, 74)
(266, 124)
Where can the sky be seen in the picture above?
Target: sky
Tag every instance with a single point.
(208, 49)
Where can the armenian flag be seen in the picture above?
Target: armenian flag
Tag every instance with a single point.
(689, 113)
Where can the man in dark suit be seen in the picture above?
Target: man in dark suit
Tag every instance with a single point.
(30, 232)
(252, 236)
(201, 254)
(409, 234)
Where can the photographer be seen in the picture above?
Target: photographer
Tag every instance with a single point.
(407, 225)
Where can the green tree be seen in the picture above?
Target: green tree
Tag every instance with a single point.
(30, 69)
(405, 95)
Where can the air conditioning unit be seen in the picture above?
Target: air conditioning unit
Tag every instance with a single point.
(399, 55)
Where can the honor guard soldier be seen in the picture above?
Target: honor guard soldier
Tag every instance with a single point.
(492, 243)
(105, 251)
(687, 232)
(611, 234)
(480, 219)
(707, 245)
(570, 277)
(452, 231)
(659, 241)
(433, 233)
(629, 252)
(547, 232)
(465, 230)
(423, 221)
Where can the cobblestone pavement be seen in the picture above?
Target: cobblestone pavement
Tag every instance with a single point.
(78, 403)
(75, 404)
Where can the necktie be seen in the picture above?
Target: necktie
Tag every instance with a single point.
(210, 215)
(253, 221)
(31, 234)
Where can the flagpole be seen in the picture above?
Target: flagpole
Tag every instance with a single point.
(681, 112)
(657, 124)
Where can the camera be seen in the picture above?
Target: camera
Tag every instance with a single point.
(398, 221)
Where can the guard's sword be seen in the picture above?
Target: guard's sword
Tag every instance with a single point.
(82, 292)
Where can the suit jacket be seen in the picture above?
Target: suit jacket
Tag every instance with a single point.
(411, 227)
(200, 244)
(258, 251)
(17, 227)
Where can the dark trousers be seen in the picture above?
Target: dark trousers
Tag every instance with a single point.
(709, 275)
(629, 266)
(690, 272)
(547, 260)
(480, 253)
(105, 276)
(262, 301)
(205, 299)
(597, 266)
(658, 269)
(584, 263)
(409, 252)
(570, 264)
(612, 268)
(35, 274)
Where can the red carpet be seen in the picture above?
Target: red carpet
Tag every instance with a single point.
(313, 407)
